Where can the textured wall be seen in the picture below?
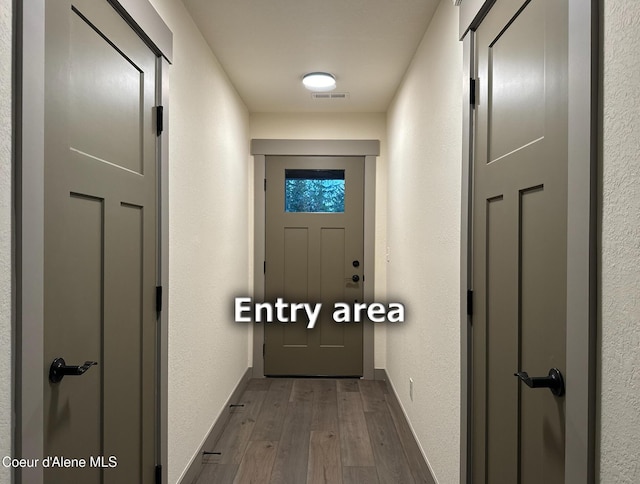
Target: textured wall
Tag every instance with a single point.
(424, 138)
(342, 126)
(5, 234)
(620, 304)
(208, 216)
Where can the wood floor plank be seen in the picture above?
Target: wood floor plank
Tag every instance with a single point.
(372, 396)
(325, 406)
(360, 475)
(390, 459)
(290, 466)
(251, 402)
(302, 390)
(291, 430)
(324, 458)
(354, 436)
(347, 385)
(259, 384)
(234, 440)
(281, 385)
(217, 474)
(235, 437)
(257, 463)
(268, 425)
(419, 469)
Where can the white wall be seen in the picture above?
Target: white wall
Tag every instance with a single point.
(620, 303)
(424, 137)
(341, 126)
(208, 217)
(5, 233)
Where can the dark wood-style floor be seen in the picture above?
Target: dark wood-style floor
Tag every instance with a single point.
(296, 431)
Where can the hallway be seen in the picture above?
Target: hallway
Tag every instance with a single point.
(316, 431)
(413, 427)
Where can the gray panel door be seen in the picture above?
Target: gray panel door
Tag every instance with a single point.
(100, 244)
(314, 248)
(520, 242)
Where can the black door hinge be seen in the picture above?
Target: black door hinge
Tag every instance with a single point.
(158, 299)
(159, 120)
(263, 349)
(158, 474)
(265, 184)
(264, 267)
(472, 92)
(469, 302)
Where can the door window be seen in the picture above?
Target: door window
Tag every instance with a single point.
(319, 191)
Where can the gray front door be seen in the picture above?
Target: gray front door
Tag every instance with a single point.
(314, 253)
(520, 243)
(100, 245)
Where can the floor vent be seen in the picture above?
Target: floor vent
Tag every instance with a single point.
(330, 95)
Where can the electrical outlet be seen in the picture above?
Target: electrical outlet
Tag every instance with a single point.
(411, 389)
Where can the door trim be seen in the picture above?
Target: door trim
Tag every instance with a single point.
(466, 249)
(28, 167)
(582, 226)
(369, 149)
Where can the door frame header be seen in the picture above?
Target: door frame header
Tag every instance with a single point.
(148, 24)
(315, 147)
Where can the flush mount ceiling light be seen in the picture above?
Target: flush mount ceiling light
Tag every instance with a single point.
(319, 81)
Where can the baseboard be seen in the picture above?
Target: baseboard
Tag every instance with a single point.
(195, 466)
(380, 374)
(413, 450)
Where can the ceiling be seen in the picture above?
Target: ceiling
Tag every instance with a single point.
(266, 46)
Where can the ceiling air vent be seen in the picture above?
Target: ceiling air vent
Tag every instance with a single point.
(330, 95)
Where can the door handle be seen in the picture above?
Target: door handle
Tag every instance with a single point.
(59, 369)
(355, 278)
(553, 381)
